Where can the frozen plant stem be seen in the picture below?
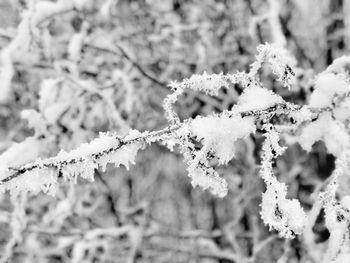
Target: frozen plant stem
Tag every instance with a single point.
(58, 163)
(205, 138)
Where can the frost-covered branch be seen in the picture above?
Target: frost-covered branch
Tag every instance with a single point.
(83, 160)
(100, 151)
(209, 141)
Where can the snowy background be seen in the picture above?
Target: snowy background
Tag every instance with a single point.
(175, 131)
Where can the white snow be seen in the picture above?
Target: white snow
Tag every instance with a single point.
(208, 180)
(44, 180)
(219, 133)
(35, 121)
(125, 155)
(257, 98)
(284, 215)
(21, 153)
(339, 65)
(302, 115)
(327, 85)
(325, 128)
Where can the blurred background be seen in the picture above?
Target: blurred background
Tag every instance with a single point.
(105, 66)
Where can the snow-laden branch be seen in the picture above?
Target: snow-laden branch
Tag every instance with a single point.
(122, 150)
(205, 139)
(107, 148)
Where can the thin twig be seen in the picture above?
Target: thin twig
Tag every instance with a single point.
(110, 198)
(128, 57)
(51, 16)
